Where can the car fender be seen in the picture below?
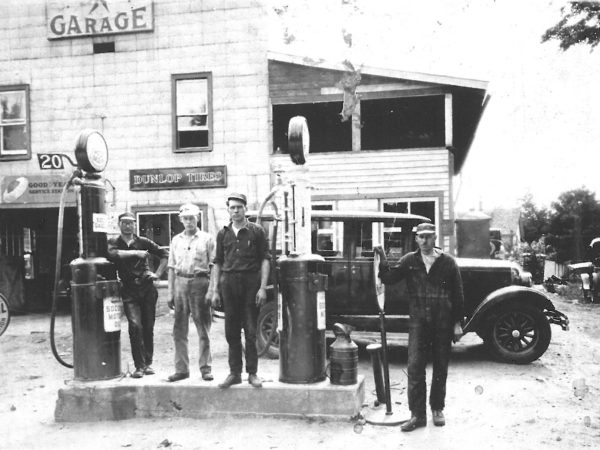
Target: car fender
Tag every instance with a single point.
(508, 294)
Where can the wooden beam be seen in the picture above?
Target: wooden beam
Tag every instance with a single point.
(448, 121)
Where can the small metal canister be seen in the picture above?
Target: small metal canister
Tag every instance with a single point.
(343, 357)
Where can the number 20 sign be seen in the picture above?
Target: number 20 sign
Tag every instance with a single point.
(50, 161)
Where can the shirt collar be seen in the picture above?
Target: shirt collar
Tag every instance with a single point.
(230, 226)
(133, 238)
(196, 234)
(436, 250)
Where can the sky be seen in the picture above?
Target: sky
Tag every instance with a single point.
(540, 132)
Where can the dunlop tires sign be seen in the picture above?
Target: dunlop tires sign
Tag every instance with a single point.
(71, 19)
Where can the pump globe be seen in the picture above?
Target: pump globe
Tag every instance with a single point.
(91, 151)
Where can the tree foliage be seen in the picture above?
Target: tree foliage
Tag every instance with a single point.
(580, 24)
(535, 221)
(570, 224)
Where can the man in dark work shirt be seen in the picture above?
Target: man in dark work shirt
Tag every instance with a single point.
(130, 253)
(241, 271)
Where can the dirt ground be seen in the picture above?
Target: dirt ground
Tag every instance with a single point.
(489, 405)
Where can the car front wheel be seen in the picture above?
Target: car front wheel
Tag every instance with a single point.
(518, 334)
(267, 330)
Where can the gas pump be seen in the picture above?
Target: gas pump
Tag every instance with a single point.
(301, 293)
(96, 306)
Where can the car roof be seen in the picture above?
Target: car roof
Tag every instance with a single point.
(373, 216)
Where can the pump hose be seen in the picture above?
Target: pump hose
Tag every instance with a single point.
(273, 331)
(57, 270)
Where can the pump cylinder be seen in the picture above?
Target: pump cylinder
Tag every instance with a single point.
(302, 351)
(96, 319)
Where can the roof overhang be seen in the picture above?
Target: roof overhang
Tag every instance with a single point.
(381, 72)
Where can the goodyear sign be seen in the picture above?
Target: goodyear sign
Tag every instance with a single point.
(39, 190)
(72, 19)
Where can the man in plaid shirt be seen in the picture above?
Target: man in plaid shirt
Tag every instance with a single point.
(436, 310)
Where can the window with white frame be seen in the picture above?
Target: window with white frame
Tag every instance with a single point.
(192, 112)
(324, 236)
(393, 238)
(14, 122)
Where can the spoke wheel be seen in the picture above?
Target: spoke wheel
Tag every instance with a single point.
(267, 327)
(519, 334)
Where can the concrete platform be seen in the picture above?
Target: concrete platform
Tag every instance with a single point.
(129, 398)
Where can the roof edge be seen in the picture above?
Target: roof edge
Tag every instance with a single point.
(378, 71)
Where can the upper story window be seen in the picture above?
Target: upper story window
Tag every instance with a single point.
(409, 122)
(192, 112)
(14, 123)
(327, 132)
(385, 123)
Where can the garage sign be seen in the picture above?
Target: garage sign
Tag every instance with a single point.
(71, 19)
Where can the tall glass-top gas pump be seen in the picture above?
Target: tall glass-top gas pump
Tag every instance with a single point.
(96, 305)
(301, 299)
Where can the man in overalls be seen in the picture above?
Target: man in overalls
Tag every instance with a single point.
(436, 310)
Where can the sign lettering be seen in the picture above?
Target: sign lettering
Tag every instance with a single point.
(71, 19)
(100, 223)
(33, 189)
(178, 178)
(113, 310)
(50, 161)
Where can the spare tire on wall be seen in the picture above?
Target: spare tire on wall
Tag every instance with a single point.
(298, 139)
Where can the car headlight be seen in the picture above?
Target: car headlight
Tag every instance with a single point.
(521, 277)
(526, 279)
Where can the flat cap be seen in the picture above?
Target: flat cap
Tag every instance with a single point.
(425, 228)
(126, 216)
(237, 196)
(189, 209)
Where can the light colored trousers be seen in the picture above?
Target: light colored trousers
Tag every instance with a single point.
(190, 299)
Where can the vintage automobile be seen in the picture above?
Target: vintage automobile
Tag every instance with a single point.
(589, 274)
(501, 305)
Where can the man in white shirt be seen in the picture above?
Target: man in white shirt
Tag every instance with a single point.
(190, 262)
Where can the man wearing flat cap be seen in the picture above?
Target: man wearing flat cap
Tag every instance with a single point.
(242, 272)
(190, 293)
(130, 253)
(436, 309)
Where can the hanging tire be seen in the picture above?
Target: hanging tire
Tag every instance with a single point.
(518, 334)
(267, 329)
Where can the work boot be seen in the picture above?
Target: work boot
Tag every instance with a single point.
(148, 370)
(438, 417)
(254, 380)
(177, 376)
(232, 378)
(413, 423)
(139, 373)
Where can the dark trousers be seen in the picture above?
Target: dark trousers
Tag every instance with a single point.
(425, 337)
(239, 302)
(140, 309)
